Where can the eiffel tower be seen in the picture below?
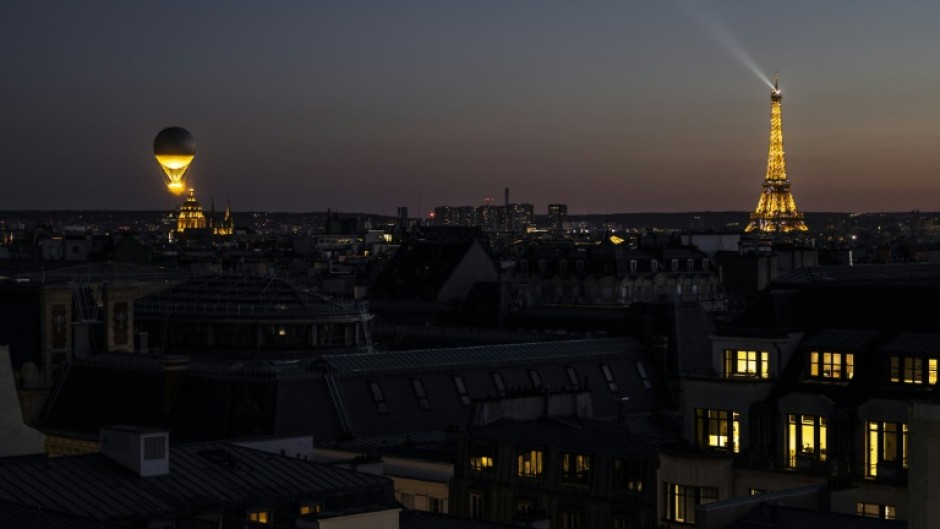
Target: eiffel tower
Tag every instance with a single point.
(776, 210)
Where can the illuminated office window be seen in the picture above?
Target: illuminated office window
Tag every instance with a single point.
(529, 464)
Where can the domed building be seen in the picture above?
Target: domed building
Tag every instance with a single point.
(191, 216)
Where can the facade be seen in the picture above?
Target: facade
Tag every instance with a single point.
(557, 472)
(776, 210)
(827, 381)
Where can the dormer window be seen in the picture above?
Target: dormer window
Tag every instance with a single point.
(832, 366)
(633, 265)
(654, 265)
(690, 264)
(745, 363)
(704, 264)
(913, 370)
(675, 265)
(563, 265)
(579, 266)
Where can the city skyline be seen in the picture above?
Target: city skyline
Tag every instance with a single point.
(367, 106)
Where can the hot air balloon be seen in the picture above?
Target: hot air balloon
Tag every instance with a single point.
(174, 148)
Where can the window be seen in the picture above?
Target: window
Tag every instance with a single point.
(887, 448)
(307, 509)
(654, 265)
(500, 385)
(435, 505)
(839, 366)
(573, 377)
(633, 265)
(756, 492)
(576, 468)
(378, 397)
(529, 464)
(542, 265)
(536, 378)
(525, 507)
(154, 448)
(461, 390)
(806, 438)
(875, 510)
(742, 363)
(690, 264)
(622, 523)
(262, 516)
(482, 457)
(571, 519)
(476, 505)
(674, 264)
(627, 475)
(717, 429)
(913, 370)
(420, 394)
(640, 370)
(704, 264)
(563, 265)
(609, 377)
(681, 501)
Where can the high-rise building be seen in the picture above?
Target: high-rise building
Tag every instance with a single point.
(776, 210)
(556, 215)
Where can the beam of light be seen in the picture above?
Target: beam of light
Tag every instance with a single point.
(697, 10)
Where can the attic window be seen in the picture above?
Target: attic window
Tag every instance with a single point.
(378, 397)
(536, 378)
(675, 265)
(563, 265)
(420, 394)
(654, 265)
(609, 377)
(579, 265)
(573, 377)
(690, 264)
(500, 385)
(461, 390)
(643, 376)
(633, 265)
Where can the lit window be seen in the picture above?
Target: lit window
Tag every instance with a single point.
(887, 448)
(756, 492)
(875, 510)
(741, 363)
(627, 475)
(378, 397)
(839, 366)
(806, 438)
(681, 501)
(529, 464)
(573, 377)
(482, 457)
(262, 516)
(420, 394)
(609, 377)
(310, 508)
(576, 468)
(717, 429)
(461, 390)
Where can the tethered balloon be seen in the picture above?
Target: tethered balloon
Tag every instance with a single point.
(174, 148)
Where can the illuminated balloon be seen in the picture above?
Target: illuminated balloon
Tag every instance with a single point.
(174, 148)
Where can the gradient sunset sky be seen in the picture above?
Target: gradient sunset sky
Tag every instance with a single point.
(363, 106)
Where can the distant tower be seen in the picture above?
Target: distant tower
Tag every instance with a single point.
(776, 210)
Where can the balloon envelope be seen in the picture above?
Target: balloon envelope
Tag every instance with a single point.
(174, 148)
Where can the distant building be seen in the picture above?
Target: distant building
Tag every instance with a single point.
(557, 214)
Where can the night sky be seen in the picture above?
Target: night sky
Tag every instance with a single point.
(364, 106)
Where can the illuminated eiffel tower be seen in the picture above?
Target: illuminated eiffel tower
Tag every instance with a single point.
(776, 210)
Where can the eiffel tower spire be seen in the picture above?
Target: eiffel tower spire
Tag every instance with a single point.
(776, 210)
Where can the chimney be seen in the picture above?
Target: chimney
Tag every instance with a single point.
(144, 451)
